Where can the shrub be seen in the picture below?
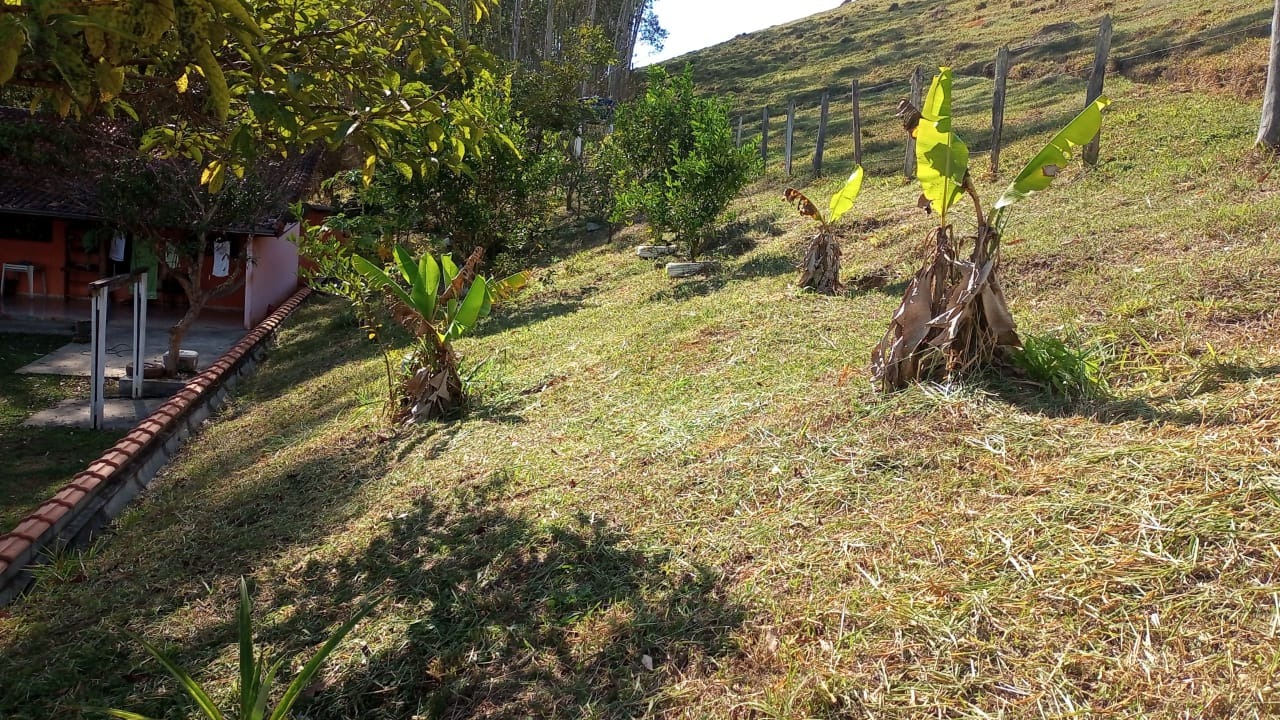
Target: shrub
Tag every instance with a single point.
(675, 162)
(1067, 373)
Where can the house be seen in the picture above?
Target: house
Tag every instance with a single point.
(56, 238)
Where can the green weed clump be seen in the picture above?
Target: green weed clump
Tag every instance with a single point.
(1069, 373)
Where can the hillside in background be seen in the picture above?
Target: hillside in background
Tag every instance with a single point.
(879, 41)
(684, 499)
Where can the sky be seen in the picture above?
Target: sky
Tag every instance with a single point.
(695, 24)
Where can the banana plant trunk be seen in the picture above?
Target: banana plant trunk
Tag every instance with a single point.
(820, 269)
(435, 389)
(953, 318)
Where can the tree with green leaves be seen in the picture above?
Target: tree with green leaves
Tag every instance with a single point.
(164, 206)
(223, 88)
(675, 161)
(527, 32)
(223, 82)
(502, 203)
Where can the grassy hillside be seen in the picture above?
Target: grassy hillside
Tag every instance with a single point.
(881, 41)
(684, 499)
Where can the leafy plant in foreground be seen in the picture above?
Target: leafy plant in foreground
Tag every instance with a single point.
(820, 269)
(953, 316)
(257, 672)
(438, 303)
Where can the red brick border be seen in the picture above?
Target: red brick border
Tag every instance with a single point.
(56, 512)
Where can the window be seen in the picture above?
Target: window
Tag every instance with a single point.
(26, 227)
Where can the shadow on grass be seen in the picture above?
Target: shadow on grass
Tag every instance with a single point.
(494, 613)
(535, 309)
(35, 461)
(766, 265)
(567, 240)
(1214, 376)
(883, 280)
(510, 616)
(1035, 398)
(690, 288)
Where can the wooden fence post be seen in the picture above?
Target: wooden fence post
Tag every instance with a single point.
(764, 138)
(917, 91)
(997, 108)
(739, 142)
(787, 141)
(1095, 84)
(1269, 122)
(822, 135)
(857, 126)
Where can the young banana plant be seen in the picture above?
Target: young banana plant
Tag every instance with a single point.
(257, 672)
(438, 303)
(953, 317)
(820, 269)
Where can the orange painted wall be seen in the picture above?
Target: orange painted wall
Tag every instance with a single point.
(232, 301)
(51, 256)
(64, 281)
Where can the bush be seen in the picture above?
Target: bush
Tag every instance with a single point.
(502, 203)
(675, 162)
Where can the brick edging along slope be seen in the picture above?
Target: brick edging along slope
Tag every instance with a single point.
(97, 494)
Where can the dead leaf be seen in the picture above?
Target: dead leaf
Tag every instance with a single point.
(772, 642)
(803, 204)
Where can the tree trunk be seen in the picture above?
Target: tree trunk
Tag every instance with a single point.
(1269, 127)
(188, 275)
(178, 332)
(435, 390)
(515, 32)
(623, 64)
(549, 40)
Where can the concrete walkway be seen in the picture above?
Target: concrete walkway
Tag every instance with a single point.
(117, 413)
(210, 336)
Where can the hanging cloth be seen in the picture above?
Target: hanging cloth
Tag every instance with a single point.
(222, 258)
(118, 241)
(144, 256)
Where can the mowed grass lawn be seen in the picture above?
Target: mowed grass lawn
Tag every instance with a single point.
(684, 499)
(35, 462)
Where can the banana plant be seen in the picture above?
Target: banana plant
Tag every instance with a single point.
(428, 282)
(954, 317)
(820, 269)
(257, 672)
(438, 303)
